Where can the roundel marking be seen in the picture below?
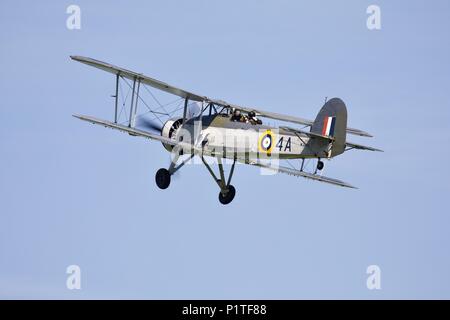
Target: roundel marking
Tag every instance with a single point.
(265, 142)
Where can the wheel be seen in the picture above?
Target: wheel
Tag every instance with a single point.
(229, 196)
(162, 178)
(320, 165)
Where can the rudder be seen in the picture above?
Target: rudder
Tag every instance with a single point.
(332, 121)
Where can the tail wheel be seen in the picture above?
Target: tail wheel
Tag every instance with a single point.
(162, 178)
(320, 165)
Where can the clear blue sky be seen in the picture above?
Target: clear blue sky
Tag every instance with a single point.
(72, 193)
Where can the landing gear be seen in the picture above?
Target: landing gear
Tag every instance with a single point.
(320, 165)
(227, 191)
(162, 178)
(228, 196)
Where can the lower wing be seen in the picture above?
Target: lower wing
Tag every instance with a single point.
(306, 175)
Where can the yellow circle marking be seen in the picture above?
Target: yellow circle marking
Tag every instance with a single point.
(260, 140)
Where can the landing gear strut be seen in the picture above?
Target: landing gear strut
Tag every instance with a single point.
(162, 177)
(227, 191)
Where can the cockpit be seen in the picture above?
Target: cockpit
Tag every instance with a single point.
(250, 117)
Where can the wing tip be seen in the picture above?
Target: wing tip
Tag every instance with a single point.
(361, 133)
(83, 59)
(373, 149)
(78, 116)
(343, 184)
(366, 134)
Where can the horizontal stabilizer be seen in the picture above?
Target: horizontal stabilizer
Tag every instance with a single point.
(361, 147)
(307, 133)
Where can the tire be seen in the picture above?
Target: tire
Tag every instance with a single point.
(320, 165)
(162, 178)
(228, 197)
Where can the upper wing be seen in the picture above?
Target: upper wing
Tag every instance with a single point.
(132, 131)
(139, 76)
(282, 117)
(265, 114)
(358, 132)
(195, 97)
(306, 175)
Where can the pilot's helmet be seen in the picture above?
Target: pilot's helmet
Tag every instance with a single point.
(237, 112)
(252, 114)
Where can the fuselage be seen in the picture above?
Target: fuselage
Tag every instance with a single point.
(244, 140)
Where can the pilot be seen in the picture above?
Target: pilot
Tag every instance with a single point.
(252, 118)
(236, 115)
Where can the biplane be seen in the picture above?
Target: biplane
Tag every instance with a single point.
(225, 131)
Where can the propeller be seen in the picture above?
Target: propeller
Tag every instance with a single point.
(194, 109)
(154, 126)
(149, 124)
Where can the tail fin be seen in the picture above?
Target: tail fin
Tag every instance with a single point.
(332, 121)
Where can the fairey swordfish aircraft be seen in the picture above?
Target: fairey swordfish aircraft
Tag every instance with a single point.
(226, 131)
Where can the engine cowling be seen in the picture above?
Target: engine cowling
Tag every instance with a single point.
(170, 130)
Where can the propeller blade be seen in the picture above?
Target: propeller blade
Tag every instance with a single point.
(149, 124)
(193, 109)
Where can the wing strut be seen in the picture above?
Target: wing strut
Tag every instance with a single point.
(185, 110)
(132, 101)
(116, 98)
(133, 124)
